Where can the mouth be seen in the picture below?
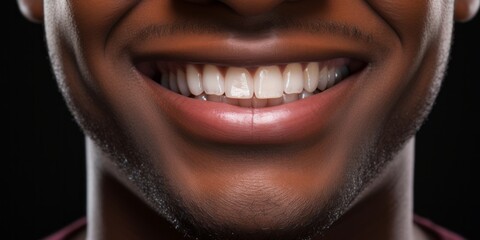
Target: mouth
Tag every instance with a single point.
(250, 86)
(252, 105)
(284, 90)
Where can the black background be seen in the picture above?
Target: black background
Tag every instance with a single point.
(45, 169)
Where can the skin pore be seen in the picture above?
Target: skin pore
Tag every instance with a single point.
(340, 168)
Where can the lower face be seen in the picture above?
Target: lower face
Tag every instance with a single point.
(261, 125)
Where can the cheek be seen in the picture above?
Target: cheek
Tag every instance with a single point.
(424, 29)
(95, 26)
(413, 21)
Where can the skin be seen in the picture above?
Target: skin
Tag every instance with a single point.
(352, 180)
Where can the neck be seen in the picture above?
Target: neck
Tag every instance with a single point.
(383, 211)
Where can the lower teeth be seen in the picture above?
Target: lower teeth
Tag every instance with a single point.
(256, 102)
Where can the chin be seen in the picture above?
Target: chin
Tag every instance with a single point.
(260, 212)
(247, 203)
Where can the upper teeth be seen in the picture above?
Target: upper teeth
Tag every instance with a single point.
(288, 82)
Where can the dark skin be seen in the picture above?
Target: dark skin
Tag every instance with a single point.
(336, 165)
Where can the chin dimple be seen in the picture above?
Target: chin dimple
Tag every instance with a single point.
(256, 87)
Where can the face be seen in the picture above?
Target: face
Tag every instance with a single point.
(253, 117)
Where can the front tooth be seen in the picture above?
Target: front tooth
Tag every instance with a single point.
(213, 81)
(311, 77)
(238, 83)
(268, 82)
(194, 80)
(182, 83)
(293, 78)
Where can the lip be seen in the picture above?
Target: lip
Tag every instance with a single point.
(229, 51)
(229, 124)
(222, 123)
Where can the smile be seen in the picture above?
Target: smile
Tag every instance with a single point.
(252, 105)
(244, 94)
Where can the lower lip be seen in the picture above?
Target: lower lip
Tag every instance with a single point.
(228, 124)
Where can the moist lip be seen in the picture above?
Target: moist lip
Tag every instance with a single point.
(222, 123)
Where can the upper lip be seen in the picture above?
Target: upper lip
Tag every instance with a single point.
(272, 47)
(233, 52)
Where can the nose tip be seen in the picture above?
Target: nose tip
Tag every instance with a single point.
(248, 7)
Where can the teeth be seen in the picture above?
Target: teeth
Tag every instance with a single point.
(231, 101)
(270, 85)
(331, 77)
(293, 78)
(275, 101)
(245, 102)
(182, 83)
(342, 72)
(238, 83)
(165, 76)
(213, 82)
(202, 97)
(194, 80)
(305, 94)
(172, 82)
(323, 79)
(268, 82)
(288, 98)
(311, 75)
(259, 103)
(215, 98)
